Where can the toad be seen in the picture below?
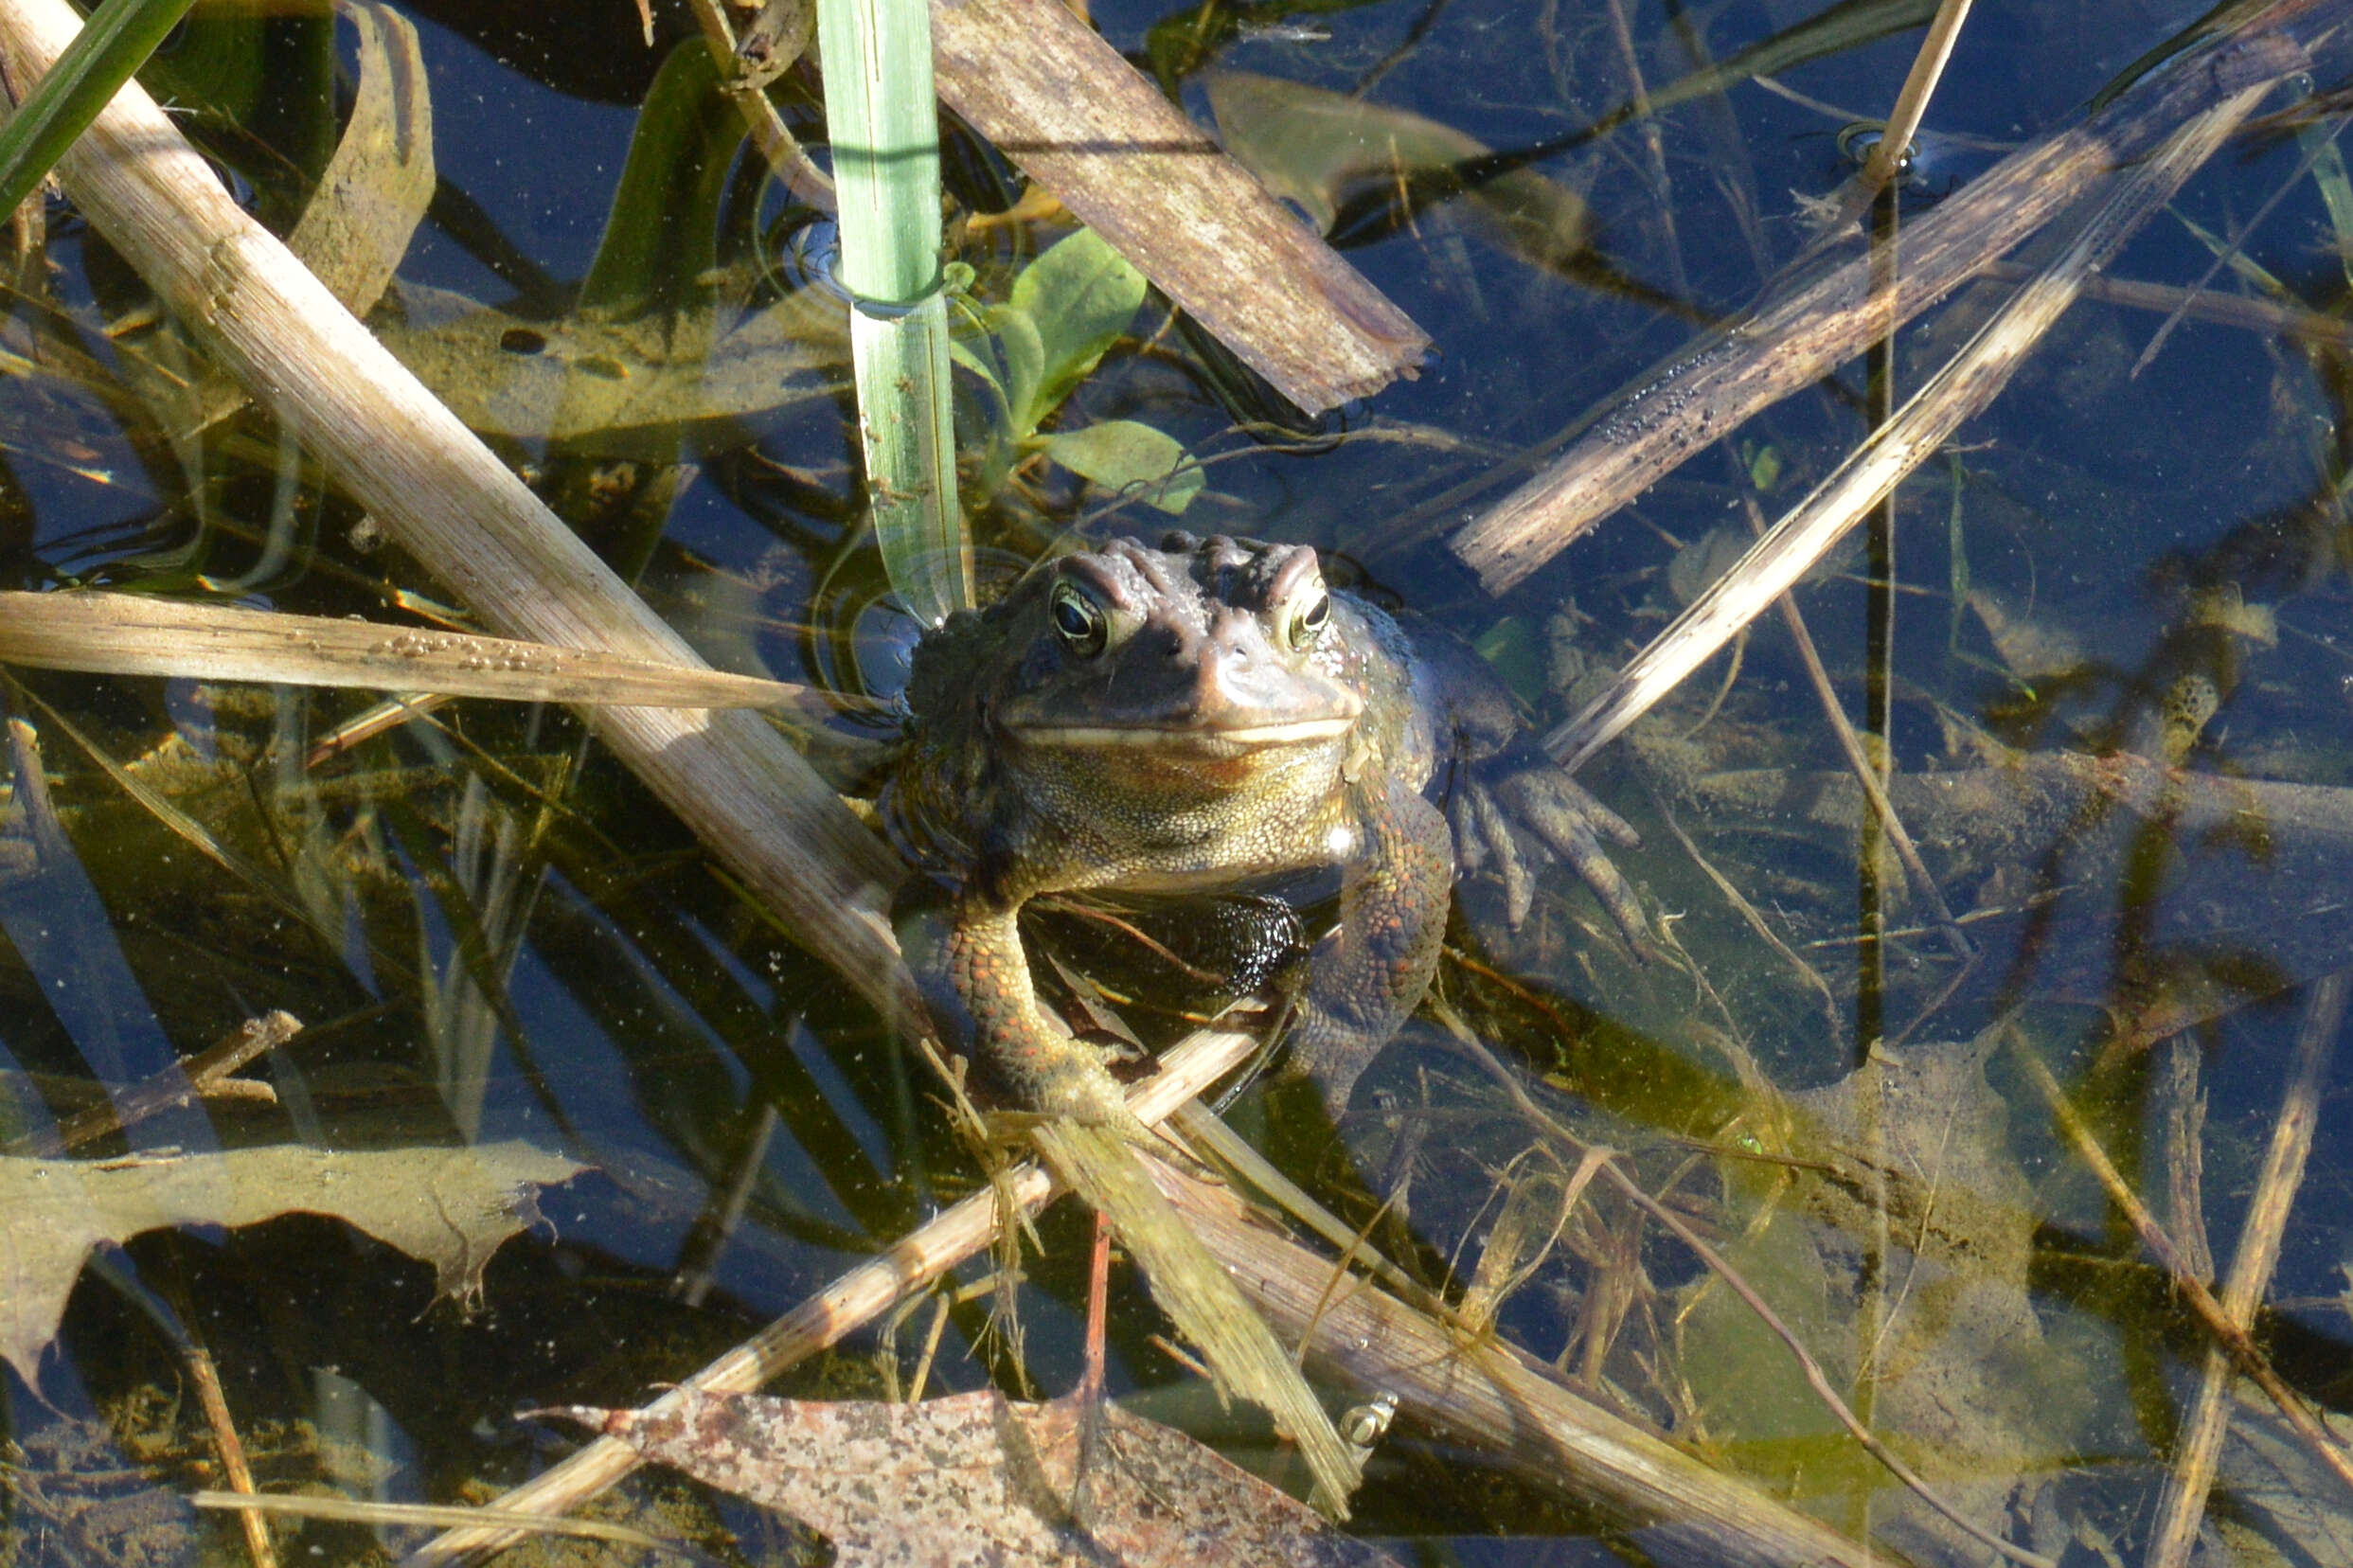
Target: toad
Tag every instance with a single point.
(1207, 716)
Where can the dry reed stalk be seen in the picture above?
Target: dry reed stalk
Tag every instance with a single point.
(1825, 315)
(1920, 84)
(2229, 1337)
(1958, 391)
(1501, 1400)
(2199, 1445)
(138, 634)
(231, 1448)
(386, 442)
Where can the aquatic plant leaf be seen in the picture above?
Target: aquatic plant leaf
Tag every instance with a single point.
(1081, 294)
(1321, 150)
(976, 1478)
(378, 184)
(1020, 356)
(450, 1208)
(661, 237)
(614, 388)
(1122, 455)
(1903, 1264)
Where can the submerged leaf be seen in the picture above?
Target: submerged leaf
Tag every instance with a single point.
(619, 388)
(381, 180)
(1323, 149)
(450, 1208)
(661, 237)
(1122, 455)
(977, 1479)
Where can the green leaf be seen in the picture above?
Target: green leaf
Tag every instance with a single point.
(662, 234)
(962, 353)
(1081, 294)
(1022, 353)
(111, 46)
(1122, 455)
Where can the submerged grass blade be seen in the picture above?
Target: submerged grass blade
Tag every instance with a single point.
(883, 119)
(114, 43)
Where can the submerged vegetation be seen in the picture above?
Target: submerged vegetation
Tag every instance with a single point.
(398, 1064)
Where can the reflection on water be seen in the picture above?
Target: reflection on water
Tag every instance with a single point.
(2118, 639)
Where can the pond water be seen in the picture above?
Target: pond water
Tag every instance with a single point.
(2103, 647)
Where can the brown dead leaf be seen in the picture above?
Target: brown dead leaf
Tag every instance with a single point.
(977, 1479)
(450, 1208)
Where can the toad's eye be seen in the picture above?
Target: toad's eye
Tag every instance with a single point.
(1079, 620)
(1308, 618)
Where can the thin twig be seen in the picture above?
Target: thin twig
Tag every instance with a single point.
(775, 140)
(1857, 762)
(182, 1083)
(2234, 1340)
(234, 1469)
(2199, 1445)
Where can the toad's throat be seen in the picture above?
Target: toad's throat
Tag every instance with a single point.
(1179, 738)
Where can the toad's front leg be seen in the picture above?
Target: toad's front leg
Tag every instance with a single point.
(965, 952)
(1369, 973)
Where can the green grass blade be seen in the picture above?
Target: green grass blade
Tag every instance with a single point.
(882, 122)
(115, 43)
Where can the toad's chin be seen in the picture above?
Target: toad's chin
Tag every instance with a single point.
(1188, 740)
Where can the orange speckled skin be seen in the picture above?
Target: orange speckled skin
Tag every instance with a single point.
(1203, 716)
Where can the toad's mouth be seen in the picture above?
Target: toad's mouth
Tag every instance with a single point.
(1214, 738)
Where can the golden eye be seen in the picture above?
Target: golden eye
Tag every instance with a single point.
(1079, 620)
(1309, 618)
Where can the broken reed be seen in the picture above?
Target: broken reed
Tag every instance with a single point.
(883, 125)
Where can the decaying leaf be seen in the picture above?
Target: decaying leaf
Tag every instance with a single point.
(450, 1208)
(1906, 1266)
(376, 189)
(1320, 149)
(977, 1479)
(617, 385)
